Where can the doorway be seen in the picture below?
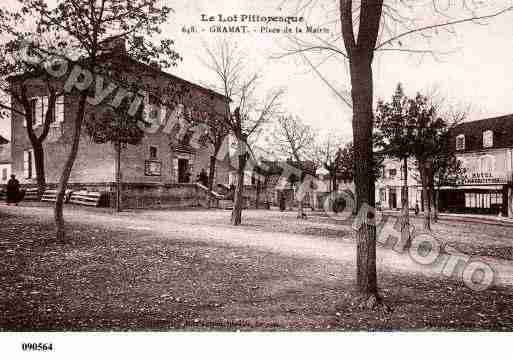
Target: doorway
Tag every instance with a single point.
(183, 170)
(392, 199)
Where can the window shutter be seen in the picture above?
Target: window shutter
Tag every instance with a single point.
(460, 143)
(146, 107)
(175, 169)
(39, 111)
(27, 167)
(32, 164)
(44, 108)
(59, 109)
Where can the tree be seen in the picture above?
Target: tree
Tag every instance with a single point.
(81, 27)
(428, 134)
(226, 61)
(395, 127)
(293, 139)
(216, 136)
(15, 96)
(115, 126)
(368, 27)
(328, 154)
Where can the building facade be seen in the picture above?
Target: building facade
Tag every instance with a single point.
(389, 185)
(164, 156)
(485, 148)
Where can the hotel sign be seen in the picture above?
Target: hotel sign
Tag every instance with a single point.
(484, 178)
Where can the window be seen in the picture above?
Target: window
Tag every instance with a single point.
(496, 198)
(152, 111)
(153, 152)
(28, 159)
(382, 195)
(482, 200)
(460, 142)
(392, 172)
(488, 138)
(33, 109)
(59, 110)
(183, 170)
(487, 165)
(4, 174)
(39, 107)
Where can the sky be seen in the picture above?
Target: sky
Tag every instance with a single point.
(477, 69)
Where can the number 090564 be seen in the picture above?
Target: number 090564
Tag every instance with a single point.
(37, 346)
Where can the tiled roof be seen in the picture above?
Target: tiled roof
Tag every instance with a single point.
(501, 126)
(125, 56)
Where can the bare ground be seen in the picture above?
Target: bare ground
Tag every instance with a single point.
(164, 270)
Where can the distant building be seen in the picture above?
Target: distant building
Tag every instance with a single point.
(389, 185)
(153, 170)
(5, 160)
(273, 179)
(485, 148)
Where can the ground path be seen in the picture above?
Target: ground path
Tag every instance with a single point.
(213, 226)
(171, 269)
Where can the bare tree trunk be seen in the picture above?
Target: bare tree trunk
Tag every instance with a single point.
(37, 141)
(39, 160)
(66, 172)
(239, 191)
(212, 172)
(405, 216)
(300, 211)
(118, 176)
(211, 176)
(427, 208)
(257, 192)
(435, 205)
(362, 96)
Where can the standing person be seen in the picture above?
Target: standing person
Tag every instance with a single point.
(281, 197)
(203, 177)
(417, 210)
(13, 191)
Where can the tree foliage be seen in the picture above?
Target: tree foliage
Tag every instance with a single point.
(114, 125)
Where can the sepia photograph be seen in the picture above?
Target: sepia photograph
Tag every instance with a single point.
(247, 179)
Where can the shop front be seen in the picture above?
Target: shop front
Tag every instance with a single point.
(478, 193)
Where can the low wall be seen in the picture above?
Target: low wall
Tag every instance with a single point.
(147, 195)
(176, 195)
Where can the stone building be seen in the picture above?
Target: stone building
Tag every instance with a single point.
(485, 148)
(389, 185)
(162, 168)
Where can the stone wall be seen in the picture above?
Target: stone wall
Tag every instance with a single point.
(145, 195)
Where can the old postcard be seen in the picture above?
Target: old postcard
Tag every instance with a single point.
(204, 177)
